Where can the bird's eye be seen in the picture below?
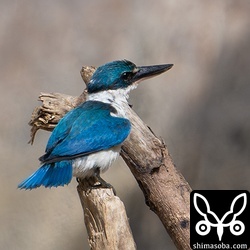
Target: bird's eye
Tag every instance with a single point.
(127, 76)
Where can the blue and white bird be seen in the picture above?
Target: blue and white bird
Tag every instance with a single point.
(88, 139)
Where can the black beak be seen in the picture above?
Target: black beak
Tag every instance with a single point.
(145, 72)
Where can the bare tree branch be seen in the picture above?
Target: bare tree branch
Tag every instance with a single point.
(105, 218)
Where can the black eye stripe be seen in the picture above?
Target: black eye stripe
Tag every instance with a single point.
(127, 76)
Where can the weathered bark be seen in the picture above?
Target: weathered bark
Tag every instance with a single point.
(105, 218)
(165, 189)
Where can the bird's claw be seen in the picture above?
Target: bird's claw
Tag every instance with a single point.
(95, 182)
(98, 182)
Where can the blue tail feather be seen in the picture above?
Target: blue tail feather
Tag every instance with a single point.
(49, 175)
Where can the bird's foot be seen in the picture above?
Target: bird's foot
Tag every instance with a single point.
(97, 182)
(94, 182)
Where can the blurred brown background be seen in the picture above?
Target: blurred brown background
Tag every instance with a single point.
(200, 107)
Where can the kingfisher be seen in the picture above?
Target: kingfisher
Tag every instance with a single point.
(88, 139)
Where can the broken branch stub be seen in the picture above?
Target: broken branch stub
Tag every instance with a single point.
(56, 105)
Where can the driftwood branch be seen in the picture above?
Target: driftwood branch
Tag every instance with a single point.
(165, 189)
(105, 218)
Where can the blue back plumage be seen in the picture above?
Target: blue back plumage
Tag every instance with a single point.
(87, 129)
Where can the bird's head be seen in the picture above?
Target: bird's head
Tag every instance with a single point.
(123, 76)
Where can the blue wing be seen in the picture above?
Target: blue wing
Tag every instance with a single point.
(86, 129)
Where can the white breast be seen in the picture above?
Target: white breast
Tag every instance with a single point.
(86, 166)
(117, 98)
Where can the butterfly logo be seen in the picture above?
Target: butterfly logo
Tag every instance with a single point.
(210, 219)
